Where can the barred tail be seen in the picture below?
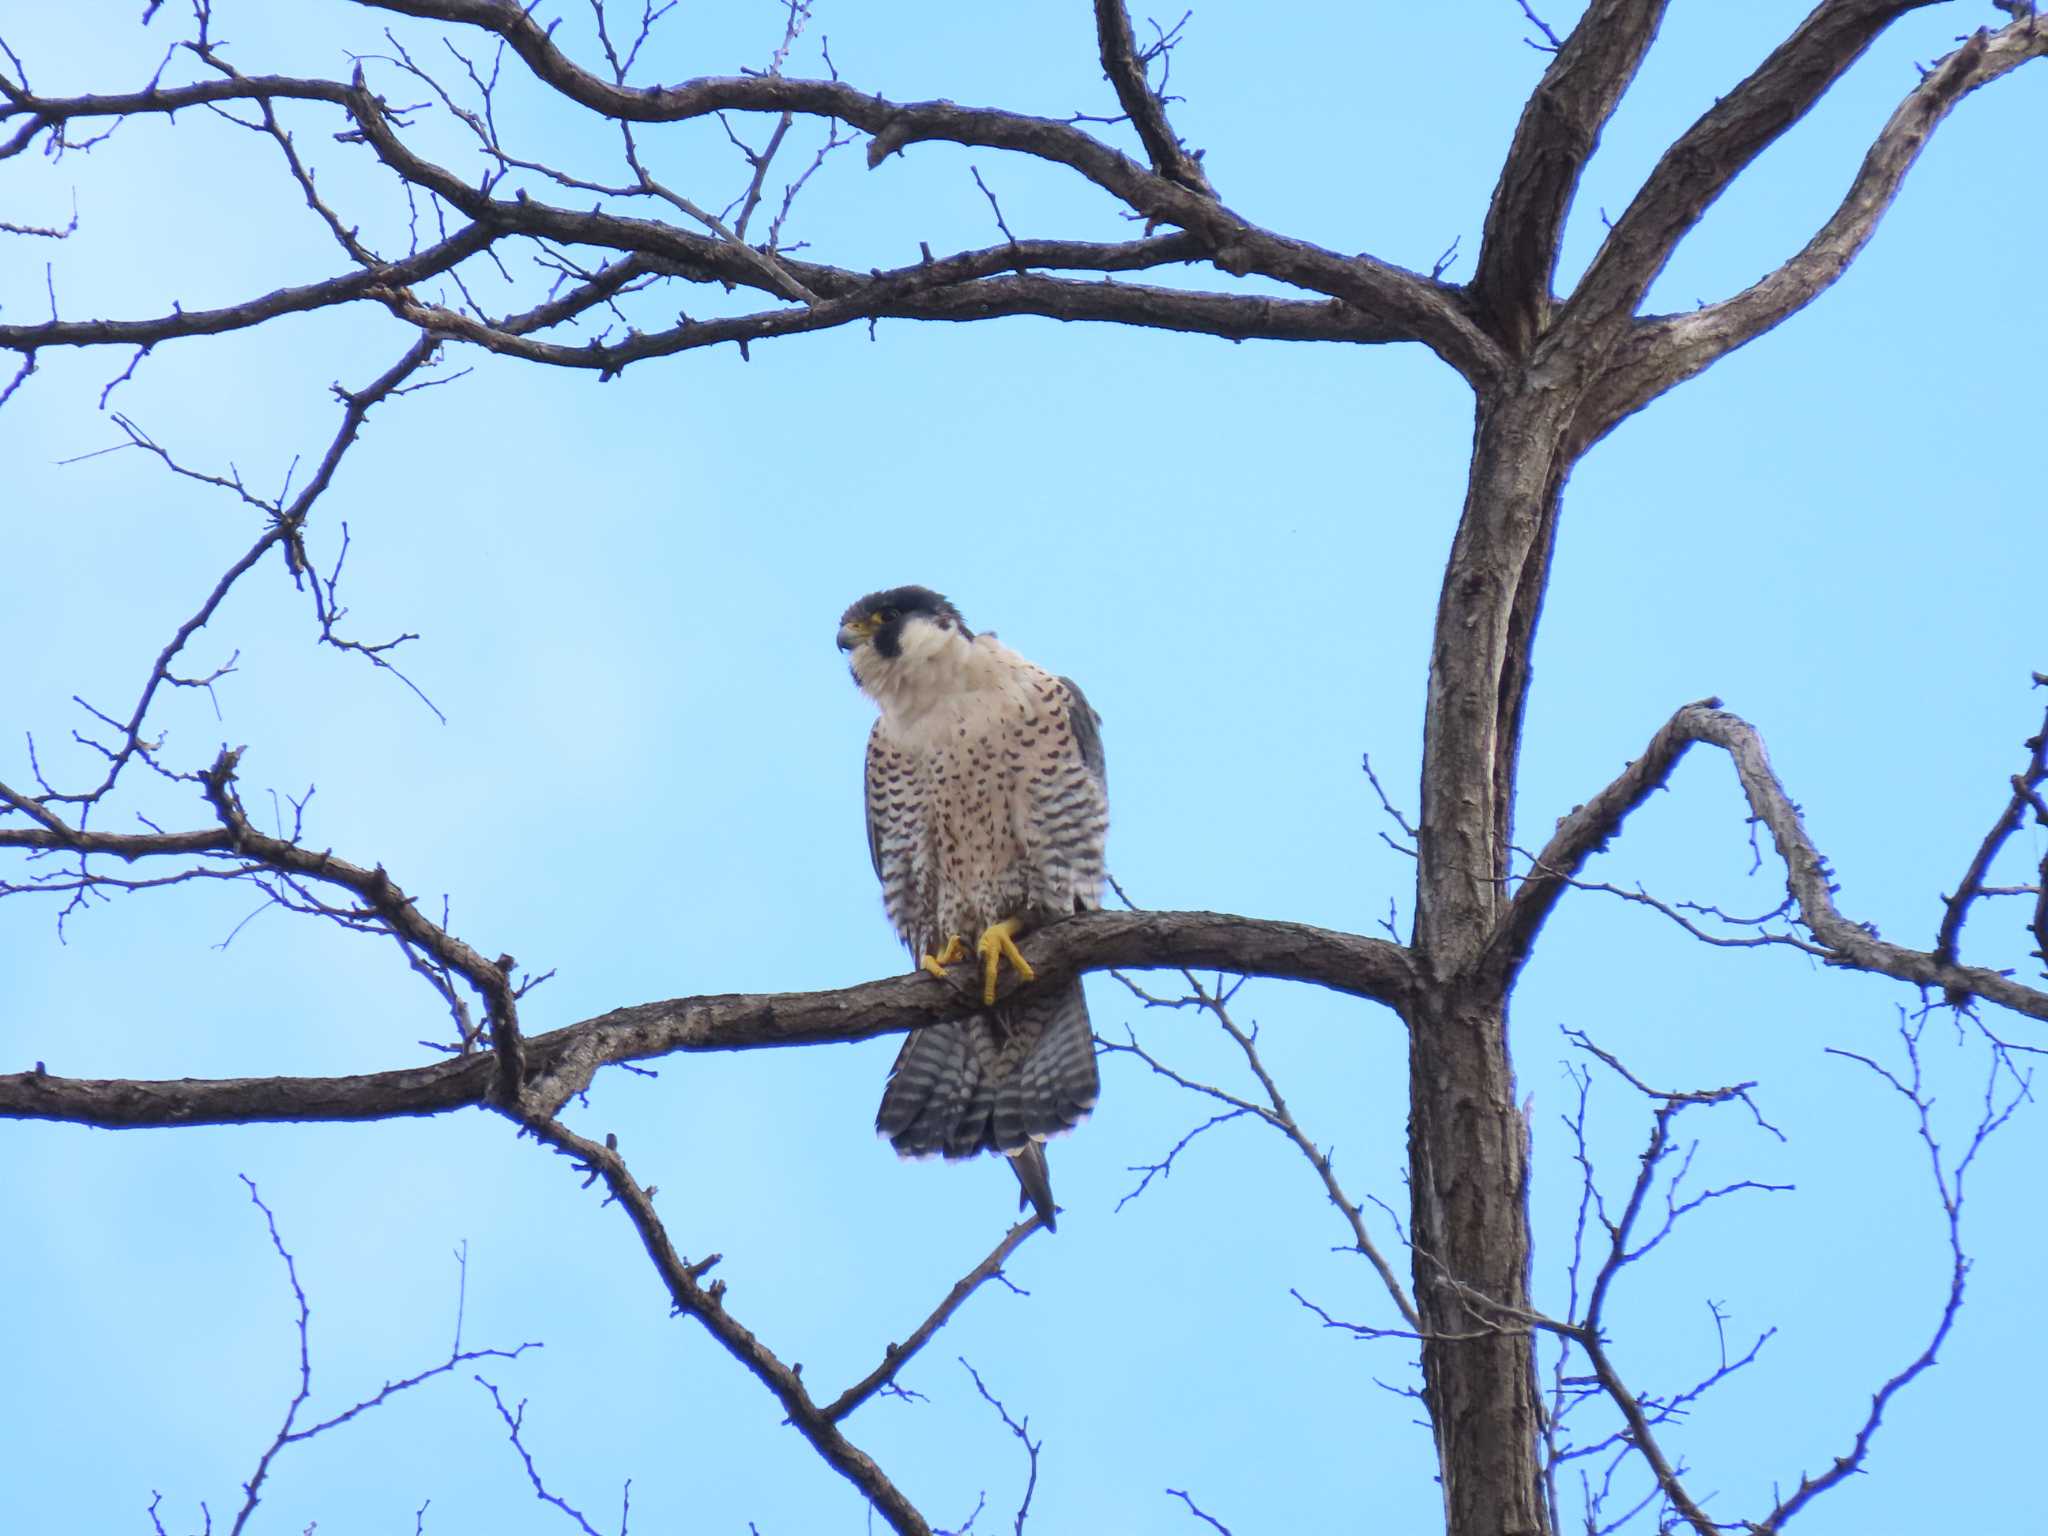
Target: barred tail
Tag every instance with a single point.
(938, 1098)
(998, 1081)
(1055, 1085)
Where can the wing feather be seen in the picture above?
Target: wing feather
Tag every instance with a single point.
(871, 791)
(1087, 728)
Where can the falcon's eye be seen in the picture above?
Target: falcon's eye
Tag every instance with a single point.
(885, 615)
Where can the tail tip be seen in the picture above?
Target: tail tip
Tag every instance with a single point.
(1044, 1213)
(1035, 1182)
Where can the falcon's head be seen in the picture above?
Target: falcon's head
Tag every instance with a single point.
(893, 636)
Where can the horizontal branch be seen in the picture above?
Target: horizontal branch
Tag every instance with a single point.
(561, 1063)
(38, 114)
(892, 125)
(1384, 302)
(1399, 304)
(972, 285)
(1419, 308)
(1807, 878)
(347, 287)
(1230, 316)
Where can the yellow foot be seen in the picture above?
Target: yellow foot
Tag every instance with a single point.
(999, 943)
(954, 952)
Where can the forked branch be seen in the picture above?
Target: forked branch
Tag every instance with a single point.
(1700, 164)
(2026, 799)
(1808, 879)
(1372, 300)
(1147, 112)
(1662, 352)
(1559, 130)
(560, 1064)
(2005, 1088)
(896, 1356)
(706, 1303)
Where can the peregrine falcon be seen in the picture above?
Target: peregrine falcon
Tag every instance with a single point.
(987, 808)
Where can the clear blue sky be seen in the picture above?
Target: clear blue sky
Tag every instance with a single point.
(649, 782)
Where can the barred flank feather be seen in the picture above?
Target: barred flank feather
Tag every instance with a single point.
(999, 1081)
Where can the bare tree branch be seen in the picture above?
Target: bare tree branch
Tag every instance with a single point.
(1126, 72)
(1022, 1432)
(1808, 879)
(1629, 1244)
(1401, 303)
(1698, 167)
(515, 1430)
(39, 115)
(436, 259)
(288, 1432)
(899, 1355)
(1559, 130)
(684, 1282)
(1197, 1511)
(970, 286)
(562, 1062)
(1164, 1167)
(1950, 1172)
(1273, 1112)
(1548, 381)
(284, 532)
(2026, 786)
(1662, 352)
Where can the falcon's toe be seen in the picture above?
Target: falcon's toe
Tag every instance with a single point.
(999, 943)
(954, 952)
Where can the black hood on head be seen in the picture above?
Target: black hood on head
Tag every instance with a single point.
(890, 610)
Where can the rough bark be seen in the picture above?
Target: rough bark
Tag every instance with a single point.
(1469, 1178)
(1469, 1172)
(562, 1062)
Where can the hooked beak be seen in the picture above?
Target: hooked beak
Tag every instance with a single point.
(851, 634)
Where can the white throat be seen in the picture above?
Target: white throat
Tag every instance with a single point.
(934, 671)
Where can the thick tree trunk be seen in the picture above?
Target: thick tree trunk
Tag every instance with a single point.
(1470, 1186)
(1468, 1147)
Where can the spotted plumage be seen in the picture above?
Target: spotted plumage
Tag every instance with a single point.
(987, 806)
